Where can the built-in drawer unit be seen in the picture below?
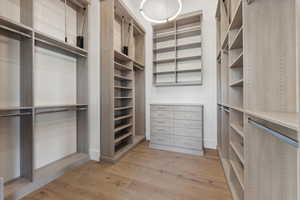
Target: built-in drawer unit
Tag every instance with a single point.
(177, 127)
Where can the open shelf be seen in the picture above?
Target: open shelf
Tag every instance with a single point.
(238, 152)
(15, 27)
(122, 56)
(238, 129)
(56, 43)
(122, 67)
(123, 137)
(239, 173)
(122, 127)
(123, 88)
(123, 117)
(15, 108)
(59, 106)
(288, 120)
(238, 83)
(237, 20)
(123, 108)
(122, 78)
(238, 62)
(225, 41)
(178, 83)
(238, 40)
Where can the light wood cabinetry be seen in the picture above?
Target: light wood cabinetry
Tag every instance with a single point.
(177, 48)
(257, 87)
(25, 110)
(177, 128)
(122, 80)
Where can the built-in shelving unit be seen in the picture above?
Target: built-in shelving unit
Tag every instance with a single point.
(122, 81)
(21, 114)
(178, 51)
(258, 117)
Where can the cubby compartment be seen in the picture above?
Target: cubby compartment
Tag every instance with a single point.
(236, 188)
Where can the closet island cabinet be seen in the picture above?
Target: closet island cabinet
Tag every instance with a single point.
(258, 87)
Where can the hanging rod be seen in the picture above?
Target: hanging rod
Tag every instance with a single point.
(61, 110)
(17, 114)
(274, 133)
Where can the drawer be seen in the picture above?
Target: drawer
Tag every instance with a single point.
(162, 139)
(188, 132)
(188, 115)
(187, 142)
(161, 123)
(188, 108)
(161, 114)
(161, 107)
(161, 130)
(187, 124)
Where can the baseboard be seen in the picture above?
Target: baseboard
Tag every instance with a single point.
(94, 154)
(176, 149)
(210, 144)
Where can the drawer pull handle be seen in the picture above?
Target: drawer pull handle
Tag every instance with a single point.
(274, 133)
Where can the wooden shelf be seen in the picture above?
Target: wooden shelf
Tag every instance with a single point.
(59, 106)
(239, 173)
(239, 109)
(123, 97)
(123, 137)
(56, 43)
(138, 65)
(238, 129)
(123, 88)
(288, 120)
(237, 20)
(238, 83)
(21, 187)
(122, 67)
(123, 108)
(237, 152)
(225, 41)
(122, 56)
(122, 127)
(15, 108)
(238, 40)
(122, 78)
(15, 27)
(191, 83)
(123, 117)
(238, 62)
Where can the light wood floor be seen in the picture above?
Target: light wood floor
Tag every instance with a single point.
(143, 174)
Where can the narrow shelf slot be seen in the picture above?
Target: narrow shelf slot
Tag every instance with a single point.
(118, 139)
(238, 173)
(123, 117)
(122, 56)
(122, 78)
(237, 20)
(238, 62)
(123, 108)
(122, 67)
(122, 127)
(238, 40)
(238, 83)
(237, 152)
(238, 129)
(123, 88)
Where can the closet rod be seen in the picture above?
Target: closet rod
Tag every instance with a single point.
(16, 115)
(61, 110)
(274, 133)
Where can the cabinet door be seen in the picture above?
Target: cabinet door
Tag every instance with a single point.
(271, 167)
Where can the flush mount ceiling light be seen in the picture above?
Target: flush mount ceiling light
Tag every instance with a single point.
(160, 11)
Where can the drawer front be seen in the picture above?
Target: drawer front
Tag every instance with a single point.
(161, 107)
(188, 108)
(161, 123)
(161, 139)
(187, 124)
(161, 130)
(159, 114)
(188, 115)
(188, 142)
(188, 132)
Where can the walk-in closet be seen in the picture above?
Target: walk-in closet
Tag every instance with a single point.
(149, 99)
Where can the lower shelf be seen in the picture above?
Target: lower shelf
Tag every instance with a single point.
(136, 140)
(21, 187)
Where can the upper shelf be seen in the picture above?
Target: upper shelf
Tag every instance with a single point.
(53, 42)
(288, 120)
(237, 20)
(15, 27)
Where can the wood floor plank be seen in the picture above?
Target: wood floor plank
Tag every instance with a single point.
(143, 174)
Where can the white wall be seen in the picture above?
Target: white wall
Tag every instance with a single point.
(206, 94)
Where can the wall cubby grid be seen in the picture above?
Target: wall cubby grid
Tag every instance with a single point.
(22, 109)
(178, 51)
